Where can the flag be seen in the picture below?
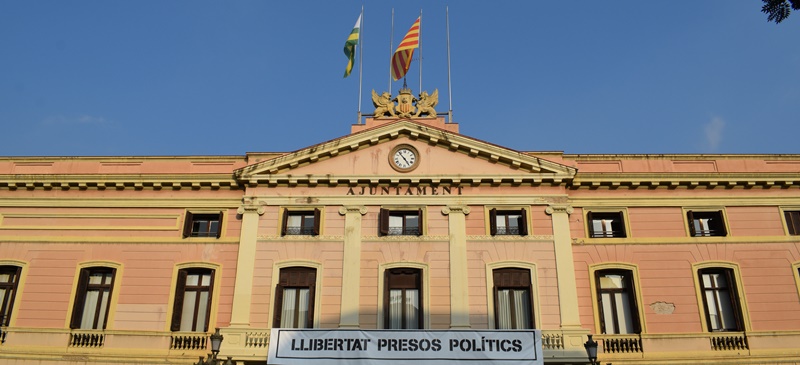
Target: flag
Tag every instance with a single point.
(350, 46)
(401, 59)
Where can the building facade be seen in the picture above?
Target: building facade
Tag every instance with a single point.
(404, 224)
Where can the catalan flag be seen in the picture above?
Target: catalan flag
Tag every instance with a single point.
(350, 46)
(401, 59)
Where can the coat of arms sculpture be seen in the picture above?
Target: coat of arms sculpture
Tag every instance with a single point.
(405, 105)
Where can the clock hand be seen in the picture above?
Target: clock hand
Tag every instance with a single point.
(404, 159)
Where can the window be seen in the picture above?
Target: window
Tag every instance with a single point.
(192, 308)
(720, 299)
(703, 224)
(400, 222)
(403, 298)
(616, 302)
(93, 297)
(606, 224)
(301, 222)
(9, 279)
(512, 298)
(508, 222)
(202, 225)
(792, 221)
(294, 298)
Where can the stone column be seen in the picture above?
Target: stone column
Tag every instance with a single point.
(245, 263)
(565, 266)
(351, 266)
(459, 288)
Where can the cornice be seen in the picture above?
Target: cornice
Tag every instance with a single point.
(118, 182)
(683, 180)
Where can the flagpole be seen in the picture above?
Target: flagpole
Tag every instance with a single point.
(420, 50)
(449, 85)
(360, 46)
(391, 40)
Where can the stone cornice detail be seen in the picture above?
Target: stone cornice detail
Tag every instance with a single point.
(119, 182)
(558, 208)
(683, 180)
(353, 209)
(455, 209)
(250, 205)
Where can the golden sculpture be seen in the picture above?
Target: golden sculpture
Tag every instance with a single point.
(405, 103)
(426, 104)
(383, 104)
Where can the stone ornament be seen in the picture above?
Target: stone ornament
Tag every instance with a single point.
(405, 104)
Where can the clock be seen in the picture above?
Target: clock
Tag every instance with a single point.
(404, 158)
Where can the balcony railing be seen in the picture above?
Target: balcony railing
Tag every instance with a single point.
(510, 231)
(552, 341)
(622, 344)
(299, 231)
(87, 338)
(403, 231)
(729, 342)
(188, 341)
(256, 339)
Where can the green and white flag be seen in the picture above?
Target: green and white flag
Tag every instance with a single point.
(350, 47)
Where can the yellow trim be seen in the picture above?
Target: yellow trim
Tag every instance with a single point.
(90, 216)
(487, 216)
(531, 267)
(634, 269)
(705, 209)
(626, 221)
(212, 317)
(112, 305)
(426, 293)
(745, 313)
(276, 273)
(783, 210)
(118, 239)
(223, 226)
(796, 275)
(23, 274)
(410, 208)
(301, 208)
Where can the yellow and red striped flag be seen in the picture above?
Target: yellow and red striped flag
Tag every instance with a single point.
(401, 59)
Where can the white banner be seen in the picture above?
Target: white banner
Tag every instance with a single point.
(382, 347)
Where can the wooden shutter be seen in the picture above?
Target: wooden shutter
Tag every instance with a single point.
(599, 291)
(276, 315)
(110, 293)
(177, 307)
(733, 290)
(792, 222)
(420, 220)
(590, 223)
(523, 224)
(383, 222)
(690, 220)
(284, 221)
(493, 221)
(317, 221)
(80, 298)
(619, 229)
(210, 300)
(219, 225)
(720, 224)
(187, 225)
(634, 304)
(310, 319)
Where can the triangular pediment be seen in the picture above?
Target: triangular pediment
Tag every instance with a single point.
(444, 156)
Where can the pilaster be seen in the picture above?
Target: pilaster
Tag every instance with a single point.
(459, 288)
(245, 263)
(351, 266)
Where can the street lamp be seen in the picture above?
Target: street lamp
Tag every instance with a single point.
(216, 341)
(591, 350)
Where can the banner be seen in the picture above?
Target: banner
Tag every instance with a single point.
(383, 347)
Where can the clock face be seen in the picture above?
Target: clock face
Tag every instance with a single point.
(404, 158)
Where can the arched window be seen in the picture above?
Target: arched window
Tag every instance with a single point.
(9, 279)
(193, 292)
(720, 299)
(403, 298)
(616, 301)
(93, 298)
(512, 295)
(294, 298)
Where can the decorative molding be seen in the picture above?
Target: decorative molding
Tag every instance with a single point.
(343, 210)
(511, 238)
(455, 209)
(250, 205)
(558, 209)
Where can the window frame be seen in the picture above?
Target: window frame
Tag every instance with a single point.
(790, 228)
(384, 215)
(178, 300)
(11, 297)
(622, 230)
(316, 212)
(796, 275)
(737, 299)
(80, 283)
(425, 299)
(490, 297)
(189, 218)
(276, 306)
(636, 287)
(689, 216)
(390, 285)
(525, 221)
(632, 300)
(521, 274)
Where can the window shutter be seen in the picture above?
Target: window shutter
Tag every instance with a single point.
(620, 226)
(421, 220)
(177, 307)
(284, 221)
(310, 318)
(690, 220)
(720, 224)
(276, 315)
(383, 222)
(634, 304)
(496, 309)
(734, 294)
(80, 298)
(493, 221)
(187, 225)
(210, 300)
(219, 225)
(110, 293)
(523, 225)
(598, 293)
(590, 223)
(317, 221)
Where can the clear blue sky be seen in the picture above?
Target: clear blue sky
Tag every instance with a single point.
(185, 77)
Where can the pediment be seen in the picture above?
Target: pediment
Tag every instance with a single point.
(445, 156)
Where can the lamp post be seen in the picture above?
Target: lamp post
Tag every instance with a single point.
(591, 350)
(216, 341)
